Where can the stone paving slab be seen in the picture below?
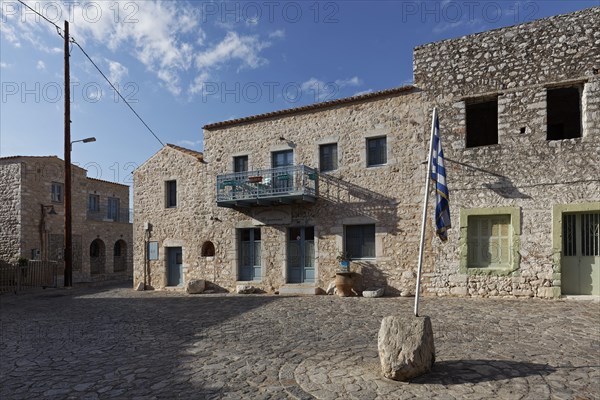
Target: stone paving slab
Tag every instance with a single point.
(114, 343)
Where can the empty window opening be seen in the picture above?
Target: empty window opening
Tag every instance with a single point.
(376, 151)
(240, 164)
(171, 194)
(208, 249)
(564, 113)
(482, 123)
(328, 157)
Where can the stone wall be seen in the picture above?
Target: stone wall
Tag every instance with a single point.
(387, 196)
(524, 173)
(44, 232)
(187, 225)
(523, 170)
(545, 51)
(10, 211)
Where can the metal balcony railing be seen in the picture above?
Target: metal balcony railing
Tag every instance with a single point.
(111, 215)
(283, 185)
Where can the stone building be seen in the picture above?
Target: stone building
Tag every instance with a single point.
(276, 197)
(32, 218)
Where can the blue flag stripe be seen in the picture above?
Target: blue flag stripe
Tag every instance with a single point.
(438, 175)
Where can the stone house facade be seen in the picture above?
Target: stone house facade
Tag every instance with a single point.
(276, 197)
(32, 218)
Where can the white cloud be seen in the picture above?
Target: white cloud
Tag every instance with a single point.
(245, 49)
(40, 65)
(4, 65)
(198, 85)
(323, 91)
(363, 92)
(166, 37)
(278, 34)
(189, 143)
(117, 71)
(8, 33)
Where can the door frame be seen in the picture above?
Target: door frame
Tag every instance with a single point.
(302, 247)
(168, 252)
(557, 225)
(239, 258)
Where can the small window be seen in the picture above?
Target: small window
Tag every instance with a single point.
(171, 194)
(57, 192)
(489, 241)
(113, 209)
(284, 158)
(564, 113)
(240, 164)
(328, 157)
(93, 203)
(208, 249)
(360, 241)
(482, 123)
(376, 151)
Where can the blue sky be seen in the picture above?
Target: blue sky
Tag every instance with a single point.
(184, 64)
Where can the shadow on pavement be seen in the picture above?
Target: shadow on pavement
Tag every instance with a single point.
(475, 371)
(118, 347)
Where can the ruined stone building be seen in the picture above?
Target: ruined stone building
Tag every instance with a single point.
(274, 198)
(32, 218)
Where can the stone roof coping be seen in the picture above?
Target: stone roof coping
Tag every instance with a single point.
(198, 155)
(507, 28)
(311, 107)
(104, 181)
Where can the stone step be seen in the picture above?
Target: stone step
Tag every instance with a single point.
(298, 290)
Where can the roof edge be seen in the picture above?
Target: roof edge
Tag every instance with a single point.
(196, 154)
(105, 181)
(508, 27)
(310, 107)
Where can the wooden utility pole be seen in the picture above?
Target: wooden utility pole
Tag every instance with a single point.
(68, 256)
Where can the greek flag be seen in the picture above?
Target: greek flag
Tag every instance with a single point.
(438, 175)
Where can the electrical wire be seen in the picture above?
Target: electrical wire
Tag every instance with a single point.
(117, 91)
(58, 29)
(73, 41)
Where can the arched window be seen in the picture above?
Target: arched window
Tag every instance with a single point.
(97, 257)
(117, 249)
(208, 249)
(95, 248)
(120, 256)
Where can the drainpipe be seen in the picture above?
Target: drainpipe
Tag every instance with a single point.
(147, 236)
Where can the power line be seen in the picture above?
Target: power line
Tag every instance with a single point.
(119, 93)
(58, 29)
(72, 40)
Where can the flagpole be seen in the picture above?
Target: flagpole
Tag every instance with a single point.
(425, 203)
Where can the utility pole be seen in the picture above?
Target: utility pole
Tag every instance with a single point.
(68, 256)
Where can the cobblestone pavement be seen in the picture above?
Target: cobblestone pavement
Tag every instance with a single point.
(112, 342)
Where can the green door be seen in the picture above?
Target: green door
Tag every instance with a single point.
(301, 255)
(580, 264)
(174, 266)
(249, 255)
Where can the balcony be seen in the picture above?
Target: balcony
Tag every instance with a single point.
(124, 215)
(268, 187)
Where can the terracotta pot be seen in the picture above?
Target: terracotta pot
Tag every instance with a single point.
(255, 179)
(343, 284)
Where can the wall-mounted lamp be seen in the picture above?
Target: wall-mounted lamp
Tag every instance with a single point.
(51, 212)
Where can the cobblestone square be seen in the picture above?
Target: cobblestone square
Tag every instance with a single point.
(113, 342)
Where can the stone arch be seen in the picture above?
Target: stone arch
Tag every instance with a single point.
(97, 257)
(120, 256)
(208, 249)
